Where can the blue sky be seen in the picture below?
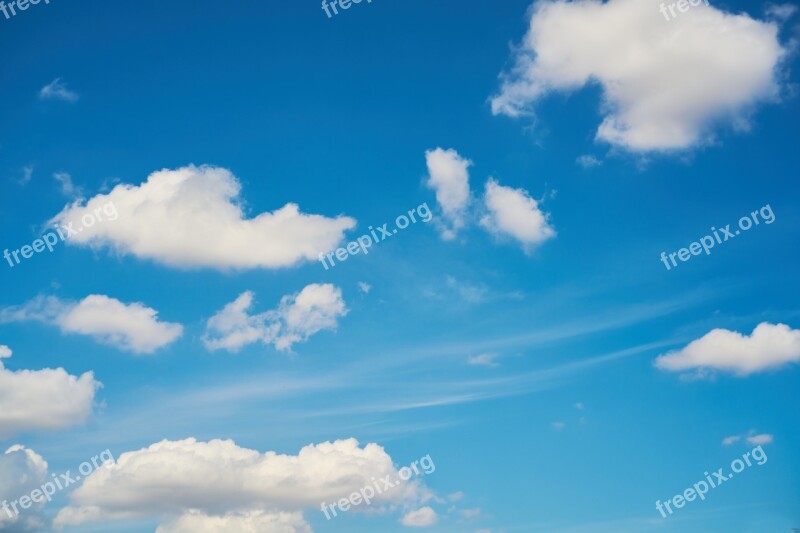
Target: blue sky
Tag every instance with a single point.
(517, 338)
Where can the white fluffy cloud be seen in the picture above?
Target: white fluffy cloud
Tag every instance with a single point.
(512, 212)
(299, 316)
(448, 175)
(423, 517)
(769, 346)
(193, 217)
(507, 212)
(132, 327)
(43, 399)
(207, 481)
(21, 471)
(245, 522)
(666, 83)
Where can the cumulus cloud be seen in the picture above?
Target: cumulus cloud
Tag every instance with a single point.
(193, 217)
(448, 175)
(21, 471)
(770, 346)
(423, 517)
(46, 399)
(666, 84)
(57, 90)
(207, 481)
(299, 316)
(131, 327)
(244, 522)
(5, 351)
(513, 213)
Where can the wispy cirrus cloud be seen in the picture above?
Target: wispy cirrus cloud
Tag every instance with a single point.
(57, 90)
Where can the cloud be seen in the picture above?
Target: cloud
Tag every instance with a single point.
(57, 90)
(131, 327)
(5, 351)
(757, 440)
(729, 441)
(588, 161)
(299, 316)
(558, 425)
(513, 213)
(193, 217)
(770, 346)
(244, 522)
(469, 514)
(27, 174)
(67, 187)
(449, 177)
(21, 471)
(579, 406)
(484, 359)
(665, 84)
(423, 517)
(751, 438)
(46, 399)
(207, 481)
(780, 12)
(364, 287)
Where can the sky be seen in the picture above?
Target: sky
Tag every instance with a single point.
(260, 256)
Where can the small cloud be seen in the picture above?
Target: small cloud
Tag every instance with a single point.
(588, 161)
(780, 12)
(768, 347)
(756, 440)
(469, 514)
(297, 318)
(469, 293)
(422, 517)
(579, 406)
(513, 213)
(729, 441)
(57, 90)
(558, 425)
(484, 359)
(27, 174)
(456, 496)
(449, 178)
(68, 188)
(750, 438)
(5, 351)
(364, 287)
